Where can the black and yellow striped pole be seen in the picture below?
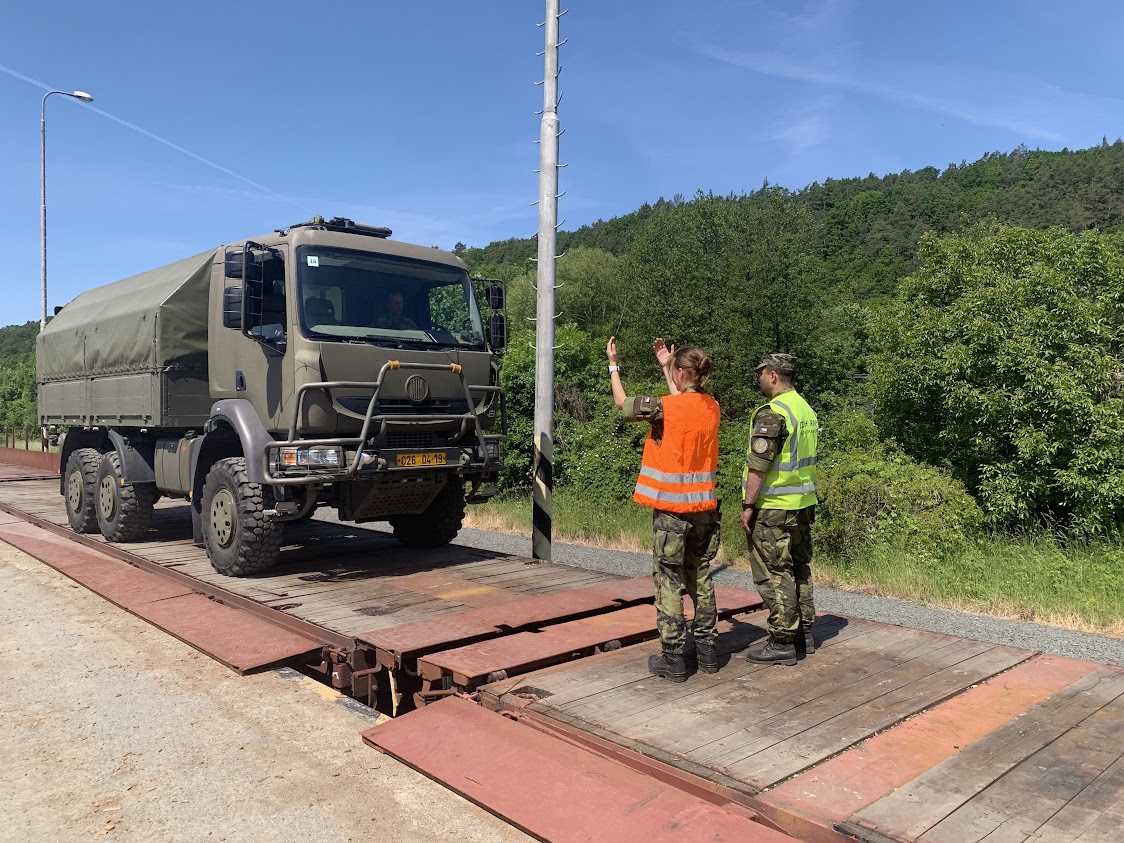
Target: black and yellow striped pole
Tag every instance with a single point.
(546, 277)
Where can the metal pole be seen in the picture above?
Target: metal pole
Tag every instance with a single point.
(544, 333)
(83, 97)
(43, 205)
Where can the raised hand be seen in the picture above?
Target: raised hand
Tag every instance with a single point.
(611, 351)
(663, 353)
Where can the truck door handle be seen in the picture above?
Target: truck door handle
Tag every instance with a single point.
(239, 381)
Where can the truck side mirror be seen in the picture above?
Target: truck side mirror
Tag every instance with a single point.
(232, 307)
(497, 328)
(493, 294)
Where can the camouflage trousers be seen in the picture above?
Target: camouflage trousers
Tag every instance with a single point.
(683, 546)
(780, 556)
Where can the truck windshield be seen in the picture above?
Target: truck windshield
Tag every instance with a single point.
(350, 295)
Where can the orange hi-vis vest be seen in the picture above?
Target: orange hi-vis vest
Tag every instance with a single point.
(678, 473)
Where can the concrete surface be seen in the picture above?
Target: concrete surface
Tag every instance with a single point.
(111, 729)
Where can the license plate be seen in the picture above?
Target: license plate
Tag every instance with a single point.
(413, 460)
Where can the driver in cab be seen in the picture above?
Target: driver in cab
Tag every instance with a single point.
(393, 318)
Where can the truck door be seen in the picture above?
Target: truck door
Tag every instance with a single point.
(248, 352)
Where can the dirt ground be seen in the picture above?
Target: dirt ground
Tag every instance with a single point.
(111, 729)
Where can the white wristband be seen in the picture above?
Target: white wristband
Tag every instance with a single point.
(614, 369)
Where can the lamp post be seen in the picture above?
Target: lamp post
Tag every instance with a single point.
(78, 95)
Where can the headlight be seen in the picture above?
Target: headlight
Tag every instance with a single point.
(493, 451)
(306, 458)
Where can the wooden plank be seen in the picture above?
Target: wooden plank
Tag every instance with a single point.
(631, 706)
(517, 653)
(917, 807)
(1016, 806)
(864, 774)
(813, 739)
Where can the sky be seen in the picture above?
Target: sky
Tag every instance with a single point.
(214, 122)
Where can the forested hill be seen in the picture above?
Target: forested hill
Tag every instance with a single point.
(869, 228)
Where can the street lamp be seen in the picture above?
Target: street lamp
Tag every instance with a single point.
(78, 95)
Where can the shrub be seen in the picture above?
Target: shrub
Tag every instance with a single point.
(875, 494)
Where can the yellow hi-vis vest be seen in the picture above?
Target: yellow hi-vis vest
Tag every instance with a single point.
(790, 482)
(678, 473)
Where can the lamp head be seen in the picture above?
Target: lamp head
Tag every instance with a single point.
(82, 95)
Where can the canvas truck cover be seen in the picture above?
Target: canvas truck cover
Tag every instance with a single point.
(150, 322)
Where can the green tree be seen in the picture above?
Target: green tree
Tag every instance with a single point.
(1003, 357)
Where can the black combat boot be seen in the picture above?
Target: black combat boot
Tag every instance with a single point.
(773, 653)
(668, 665)
(809, 641)
(707, 655)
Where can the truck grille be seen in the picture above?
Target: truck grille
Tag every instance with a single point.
(417, 439)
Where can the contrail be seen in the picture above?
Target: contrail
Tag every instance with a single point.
(156, 138)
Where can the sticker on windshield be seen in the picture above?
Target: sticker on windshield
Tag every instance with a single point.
(313, 260)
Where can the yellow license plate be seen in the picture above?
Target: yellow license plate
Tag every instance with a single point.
(412, 460)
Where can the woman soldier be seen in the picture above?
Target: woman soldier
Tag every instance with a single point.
(677, 480)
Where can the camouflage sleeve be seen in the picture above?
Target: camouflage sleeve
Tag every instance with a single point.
(642, 408)
(765, 439)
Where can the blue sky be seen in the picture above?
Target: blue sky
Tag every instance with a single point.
(217, 121)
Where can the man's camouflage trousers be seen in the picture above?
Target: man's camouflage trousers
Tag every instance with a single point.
(780, 556)
(683, 546)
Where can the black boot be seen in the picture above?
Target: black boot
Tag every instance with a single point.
(708, 657)
(773, 653)
(668, 665)
(805, 643)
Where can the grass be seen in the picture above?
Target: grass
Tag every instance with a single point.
(1079, 586)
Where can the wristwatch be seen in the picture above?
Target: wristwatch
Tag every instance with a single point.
(613, 368)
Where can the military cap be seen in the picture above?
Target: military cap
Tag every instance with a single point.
(782, 364)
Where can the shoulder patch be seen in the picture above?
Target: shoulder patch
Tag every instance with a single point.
(644, 406)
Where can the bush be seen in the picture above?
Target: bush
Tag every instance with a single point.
(1003, 357)
(873, 493)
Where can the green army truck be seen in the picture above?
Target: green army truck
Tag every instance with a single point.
(322, 365)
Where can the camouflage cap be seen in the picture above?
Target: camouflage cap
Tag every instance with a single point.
(782, 364)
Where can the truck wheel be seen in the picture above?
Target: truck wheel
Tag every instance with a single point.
(440, 522)
(81, 490)
(124, 509)
(240, 539)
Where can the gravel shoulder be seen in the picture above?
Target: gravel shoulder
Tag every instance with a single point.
(114, 730)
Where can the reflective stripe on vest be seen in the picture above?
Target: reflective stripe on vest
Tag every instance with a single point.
(679, 473)
(790, 482)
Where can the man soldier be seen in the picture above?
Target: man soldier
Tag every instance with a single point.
(394, 317)
(779, 508)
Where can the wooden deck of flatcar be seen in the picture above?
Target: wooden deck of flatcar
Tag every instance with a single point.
(884, 734)
(340, 577)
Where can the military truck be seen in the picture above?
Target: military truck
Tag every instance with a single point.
(322, 365)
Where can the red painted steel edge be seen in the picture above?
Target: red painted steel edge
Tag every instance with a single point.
(242, 641)
(273, 616)
(580, 796)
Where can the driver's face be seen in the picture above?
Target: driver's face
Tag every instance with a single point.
(395, 304)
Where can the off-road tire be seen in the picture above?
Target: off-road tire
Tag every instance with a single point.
(440, 522)
(80, 489)
(239, 538)
(124, 510)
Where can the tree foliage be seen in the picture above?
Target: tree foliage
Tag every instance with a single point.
(1003, 357)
